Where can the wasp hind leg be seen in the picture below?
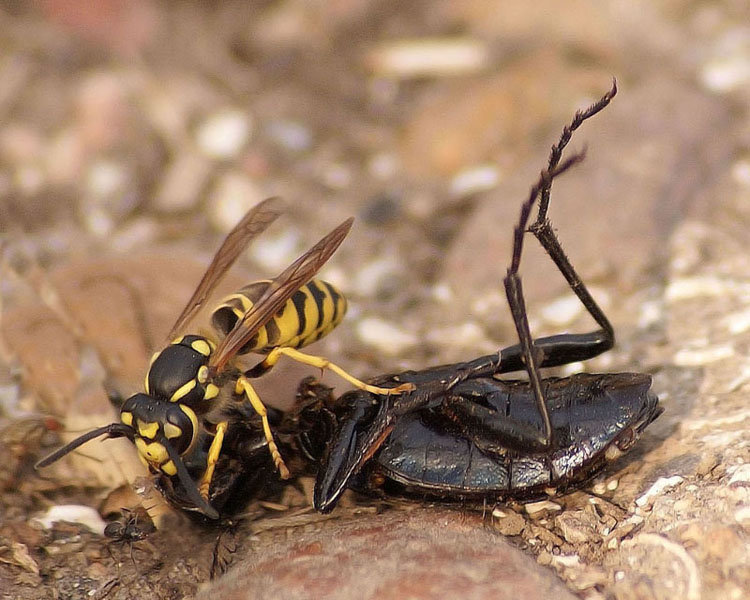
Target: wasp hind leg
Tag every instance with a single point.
(323, 364)
(244, 387)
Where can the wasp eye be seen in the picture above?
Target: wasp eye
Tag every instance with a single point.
(180, 427)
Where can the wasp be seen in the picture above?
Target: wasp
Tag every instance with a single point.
(464, 433)
(184, 400)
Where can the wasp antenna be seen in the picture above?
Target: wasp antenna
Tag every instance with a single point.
(113, 430)
(190, 486)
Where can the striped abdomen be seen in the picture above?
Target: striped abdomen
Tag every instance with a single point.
(312, 312)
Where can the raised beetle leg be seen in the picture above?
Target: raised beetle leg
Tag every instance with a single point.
(514, 293)
(322, 364)
(602, 340)
(557, 349)
(244, 386)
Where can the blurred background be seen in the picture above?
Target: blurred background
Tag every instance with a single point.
(135, 133)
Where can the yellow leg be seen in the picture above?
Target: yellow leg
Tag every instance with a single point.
(243, 387)
(213, 457)
(323, 363)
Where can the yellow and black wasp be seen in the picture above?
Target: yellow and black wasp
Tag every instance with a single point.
(184, 380)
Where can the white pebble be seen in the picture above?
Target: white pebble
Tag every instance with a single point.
(740, 172)
(233, 196)
(224, 134)
(182, 182)
(374, 275)
(740, 475)
(729, 67)
(562, 311)
(688, 357)
(73, 513)
(660, 486)
(429, 57)
(473, 180)
(385, 336)
(276, 252)
(291, 135)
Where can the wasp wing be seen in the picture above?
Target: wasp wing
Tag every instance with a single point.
(252, 224)
(278, 292)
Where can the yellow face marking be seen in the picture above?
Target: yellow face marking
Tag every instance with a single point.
(211, 391)
(126, 418)
(148, 430)
(154, 453)
(201, 346)
(177, 340)
(203, 374)
(172, 431)
(169, 468)
(182, 391)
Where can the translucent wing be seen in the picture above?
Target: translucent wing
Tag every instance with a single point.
(252, 224)
(278, 292)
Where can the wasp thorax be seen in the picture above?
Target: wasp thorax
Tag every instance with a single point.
(179, 373)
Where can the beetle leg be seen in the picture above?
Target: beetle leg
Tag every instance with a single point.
(480, 423)
(322, 364)
(213, 456)
(531, 354)
(243, 386)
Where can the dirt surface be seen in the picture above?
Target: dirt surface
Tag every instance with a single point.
(136, 134)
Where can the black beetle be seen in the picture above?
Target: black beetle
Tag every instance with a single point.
(465, 433)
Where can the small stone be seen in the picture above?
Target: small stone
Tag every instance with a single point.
(544, 558)
(563, 310)
(537, 510)
(276, 252)
(429, 57)
(224, 134)
(474, 180)
(182, 183)
(290, 135)
(337, 176)
(73, 513)
(729, 67)
(688, 357)
(577, 527)
(375, 275)
(740, 476)
(742, 516)
(385, 336)
(232, 197)
(508, 522)
(659, 487)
